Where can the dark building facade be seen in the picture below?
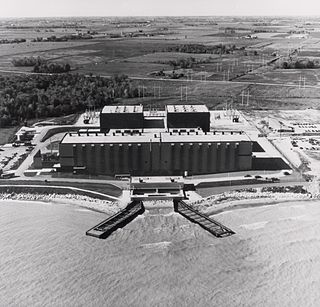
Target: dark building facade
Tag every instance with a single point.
(121, 117)
(159, 154)
(188, 116)
(175, 116)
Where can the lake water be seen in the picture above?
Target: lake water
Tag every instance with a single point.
(160, 259)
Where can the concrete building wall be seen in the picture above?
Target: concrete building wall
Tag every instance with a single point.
(121, 121)
(157, 158)
(189, 120)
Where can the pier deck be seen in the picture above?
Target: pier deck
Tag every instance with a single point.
(207, 223)
(118, 220)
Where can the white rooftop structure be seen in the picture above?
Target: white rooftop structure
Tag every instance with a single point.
(101, 138)
(123, 109)
(203, 137)
(189, 108)
(165, 137)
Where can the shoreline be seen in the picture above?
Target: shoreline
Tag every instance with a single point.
(242, 199)
(253, 203)
(81, 201)
(204, 206)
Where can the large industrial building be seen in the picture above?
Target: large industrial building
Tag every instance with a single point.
(132, 142)
(121, 117)
(188, 116)
(174, 116)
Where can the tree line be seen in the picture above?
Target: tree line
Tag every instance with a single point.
(12, 41)
(51, 68)
(300, 64)
(64, 38)
(28, 61)
(40, 65)
(41, 96)
(199, 48)
(188, 62)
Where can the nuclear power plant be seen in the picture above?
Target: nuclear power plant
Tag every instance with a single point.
(135, 142)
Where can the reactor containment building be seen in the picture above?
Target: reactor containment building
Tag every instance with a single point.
(177, 141)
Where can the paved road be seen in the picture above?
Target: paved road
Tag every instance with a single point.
(29, 159)
(218, 82)
(20, 72)
(25, 165)
(204, 192)
(118, 183)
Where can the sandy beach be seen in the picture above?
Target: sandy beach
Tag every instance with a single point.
(95, 204)
(256, 197)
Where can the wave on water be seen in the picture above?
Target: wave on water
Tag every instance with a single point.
(157, 245)
(159, 260)
(255, 225)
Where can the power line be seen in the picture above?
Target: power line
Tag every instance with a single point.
(184, 90)
(246, 96)
(155, 88)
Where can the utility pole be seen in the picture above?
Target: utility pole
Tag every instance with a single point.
(242, 97)
(143, 88)
(248, 96)
(186, 93)
(302, 82)
(183, 90)
(245, 95)
(155, 91)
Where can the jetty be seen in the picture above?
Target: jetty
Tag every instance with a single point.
(207, 223)
(116, 221)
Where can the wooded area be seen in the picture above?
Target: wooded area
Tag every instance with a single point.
(199, 48)
(39, 96)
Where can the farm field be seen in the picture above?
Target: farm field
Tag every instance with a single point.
(248, 75)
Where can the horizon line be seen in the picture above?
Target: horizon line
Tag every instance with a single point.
(157, 16)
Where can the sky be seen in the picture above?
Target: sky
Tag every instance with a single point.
(52, 8)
